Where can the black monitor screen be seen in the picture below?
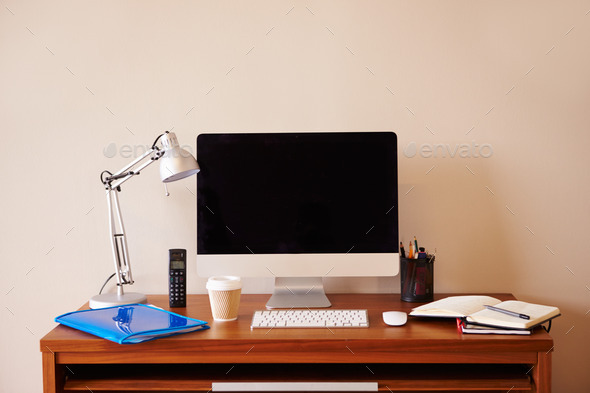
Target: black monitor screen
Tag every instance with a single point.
(277, 193)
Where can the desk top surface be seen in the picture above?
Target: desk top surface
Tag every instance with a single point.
(417, 334)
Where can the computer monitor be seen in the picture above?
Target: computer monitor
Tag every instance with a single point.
(297, 207)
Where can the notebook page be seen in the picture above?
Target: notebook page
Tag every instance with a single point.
(455, 306)
(537, 313)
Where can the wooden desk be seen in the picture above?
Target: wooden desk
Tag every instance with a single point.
(427, 354)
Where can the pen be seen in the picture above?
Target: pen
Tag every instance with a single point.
(415, 247)
(401, 250)
(508, 312)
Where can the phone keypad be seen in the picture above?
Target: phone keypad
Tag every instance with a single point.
(177, 289)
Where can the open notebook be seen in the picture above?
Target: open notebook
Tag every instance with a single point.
(472, 308)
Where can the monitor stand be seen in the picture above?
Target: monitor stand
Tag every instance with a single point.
(298, 292)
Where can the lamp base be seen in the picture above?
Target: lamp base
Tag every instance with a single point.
(113, 299)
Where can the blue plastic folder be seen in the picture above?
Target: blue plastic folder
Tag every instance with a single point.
(130, 324)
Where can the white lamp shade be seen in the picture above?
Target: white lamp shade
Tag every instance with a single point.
(176, 164)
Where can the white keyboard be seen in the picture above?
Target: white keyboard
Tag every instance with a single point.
(307, 318)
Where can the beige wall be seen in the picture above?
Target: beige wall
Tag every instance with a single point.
(79, 81)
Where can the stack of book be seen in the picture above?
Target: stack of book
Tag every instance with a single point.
(488, 315)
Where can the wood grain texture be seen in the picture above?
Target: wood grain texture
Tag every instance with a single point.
(419, 334)
(422, 340)
(542, 372)
(53, 374)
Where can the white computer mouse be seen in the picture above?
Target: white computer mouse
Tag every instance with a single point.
(395, 318)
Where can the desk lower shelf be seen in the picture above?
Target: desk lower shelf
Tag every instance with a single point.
(390, 377)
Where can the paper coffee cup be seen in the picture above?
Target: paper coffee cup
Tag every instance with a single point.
(224, 296)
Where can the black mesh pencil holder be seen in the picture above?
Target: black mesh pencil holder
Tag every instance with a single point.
(417, 279)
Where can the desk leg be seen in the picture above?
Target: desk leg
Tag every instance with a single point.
(53, 376)
(542, 372)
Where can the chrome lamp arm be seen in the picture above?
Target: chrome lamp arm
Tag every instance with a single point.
(117, 229)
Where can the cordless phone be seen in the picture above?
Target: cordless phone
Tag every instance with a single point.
(177, 277)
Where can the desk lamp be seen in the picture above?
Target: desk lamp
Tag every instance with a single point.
(175, 164)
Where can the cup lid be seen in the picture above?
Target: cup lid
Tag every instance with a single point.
(224, 283)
